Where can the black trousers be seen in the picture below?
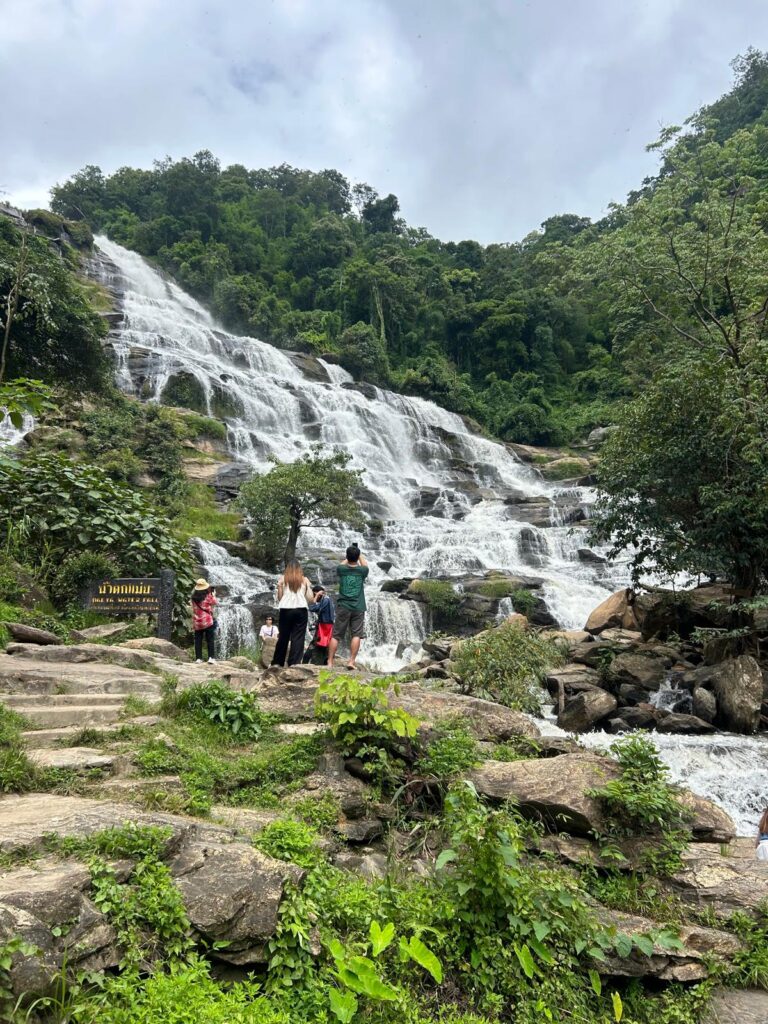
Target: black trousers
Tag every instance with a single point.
(292, 623)
(210, 640)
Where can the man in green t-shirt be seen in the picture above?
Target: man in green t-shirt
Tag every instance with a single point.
(350, 605)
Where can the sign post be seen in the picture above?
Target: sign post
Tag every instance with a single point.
(149, 595)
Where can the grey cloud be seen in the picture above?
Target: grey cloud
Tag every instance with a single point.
(484, 118)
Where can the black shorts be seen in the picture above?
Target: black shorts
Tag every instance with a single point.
(346, 619)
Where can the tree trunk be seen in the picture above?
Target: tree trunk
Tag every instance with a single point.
(293, 537)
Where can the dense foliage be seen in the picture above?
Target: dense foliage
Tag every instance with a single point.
(301, 259)
(507, 665)
(49, 328)
(61, 510)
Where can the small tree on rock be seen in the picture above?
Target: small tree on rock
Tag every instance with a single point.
(316, 490)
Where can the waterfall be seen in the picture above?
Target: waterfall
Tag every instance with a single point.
(446, 498)
(10, 435)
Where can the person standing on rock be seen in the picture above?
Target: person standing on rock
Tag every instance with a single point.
(294, 594)
(203, 623)
(326, 615)
(350, 605)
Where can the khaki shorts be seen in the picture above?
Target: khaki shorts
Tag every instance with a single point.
(346, 619)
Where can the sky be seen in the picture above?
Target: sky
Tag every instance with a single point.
(484, 117)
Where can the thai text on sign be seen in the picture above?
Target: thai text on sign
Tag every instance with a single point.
(119, 596)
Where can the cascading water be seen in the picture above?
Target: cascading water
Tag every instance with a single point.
(446, 497)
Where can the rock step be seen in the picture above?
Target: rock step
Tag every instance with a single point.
(51, 738)
(15, 700)
(122, 789)
(79, 759)
(58, 716)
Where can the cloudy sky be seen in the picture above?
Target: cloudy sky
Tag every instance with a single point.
(482, 116)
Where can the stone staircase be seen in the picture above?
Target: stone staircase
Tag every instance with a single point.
(62, 690)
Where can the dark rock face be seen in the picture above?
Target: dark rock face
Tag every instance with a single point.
(704, 704)
(584, 710)
(738, 687)
(688, 725)
(218, 882)
(30, 635)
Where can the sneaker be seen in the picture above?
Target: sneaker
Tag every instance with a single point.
(198, 661)
(211, 661)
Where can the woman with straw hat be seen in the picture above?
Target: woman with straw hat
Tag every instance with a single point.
(203, 622)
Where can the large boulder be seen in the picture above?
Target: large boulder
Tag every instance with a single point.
(109, 631)
(731, 1006)
(554, 789)
(616, 610)
(232, 895)
(738, 688)
(683, 725)
(638, 670)
(726, 883)
(584, 710)
(692, 962)
(709, 823)
(704, 704)
(24, 634)
(486, 720)
(155, 645)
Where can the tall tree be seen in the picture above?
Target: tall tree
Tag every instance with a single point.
(316, 490)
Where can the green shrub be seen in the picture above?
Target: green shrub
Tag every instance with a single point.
(289, 840)
(642, 802)
(322, 812)
(17, 773)
(495, 589)
(362, 722)
(196, 426)
(75, 509)
(201, 516)
(453, 750)
(507, 665)
(12, 724)
(185, 992)
(235, 712)
(438, 595)
(77, 573)
(523, 601)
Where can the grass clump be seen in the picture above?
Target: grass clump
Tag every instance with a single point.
(507, 665)
(201, 516)
(17, 773)
(234, 712)
(438, 595)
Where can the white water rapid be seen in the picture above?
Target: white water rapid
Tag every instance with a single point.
(731, 770)
(449, 501)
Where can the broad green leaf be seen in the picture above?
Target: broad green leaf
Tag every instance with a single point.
(380, 937)
(618, 1007)
(445, 858)
(595, 982)
(523, 954)
(425, 958)
(343, 1005)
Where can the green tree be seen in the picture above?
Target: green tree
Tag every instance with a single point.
(316, 490)
(363, 353)
(48, 328)
(683, 480)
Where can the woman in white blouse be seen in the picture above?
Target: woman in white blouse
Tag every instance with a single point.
(294, 595)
